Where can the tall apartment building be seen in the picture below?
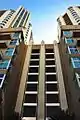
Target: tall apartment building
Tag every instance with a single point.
(35, 82)
(15, 31)
(69, 50)
(42, 92)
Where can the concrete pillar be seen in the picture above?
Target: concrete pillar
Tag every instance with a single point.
(41, 87)
(23, 79)
(62, 93)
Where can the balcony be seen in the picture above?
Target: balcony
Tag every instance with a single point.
(52, 98)
(49, 51)
(31, 87)
(32, 78)
(49, 56)
(50, 62)
(9, 53)
(70, 42)
(34, 56)
(35, 50)
(78, 43)
(68, 34)
(30, 98)
(34, 62)
(4, 65)
(29, 111)
(15, 35)
(51, 87)
(50, 110)
(73, 51)
(3, 45)
(50, 78)
(76, 63)
(33, 69)
(13, 43)
(50, 69)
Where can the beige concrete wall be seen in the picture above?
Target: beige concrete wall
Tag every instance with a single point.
(62, 93)
(41, 87)
(71, 18)
(23, 79)
(12, 81)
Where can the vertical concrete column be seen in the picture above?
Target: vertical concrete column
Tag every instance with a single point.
(23, 79)
(62, 93)
(41, 87)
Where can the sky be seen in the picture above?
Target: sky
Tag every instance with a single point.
(44, 14)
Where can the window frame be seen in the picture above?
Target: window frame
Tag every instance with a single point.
(9, 61)
(77, 78)
(2, 78)
(74, 48)
(74, 61)
(13, 50)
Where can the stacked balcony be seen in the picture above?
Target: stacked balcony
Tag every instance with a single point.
(7, 52)
(51, 90)
(30, 99)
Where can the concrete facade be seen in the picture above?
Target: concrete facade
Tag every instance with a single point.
(68, 52)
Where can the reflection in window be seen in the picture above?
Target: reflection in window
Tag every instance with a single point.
(75, 62)
(78, 79)
(69, 41)
(73, 50)
(4, 64)
(9, 51)
(67, 33)
(15, 35)
(13, 42)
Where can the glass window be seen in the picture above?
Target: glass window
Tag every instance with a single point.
(9, 52)
(23, 19)
(75, 62)
(18, 19)
(13, 42)
(78, 79)
(69, 41)
(1, 75)
(4, 64)
(67, 33)
(73, 50)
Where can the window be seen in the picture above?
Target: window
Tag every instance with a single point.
(75, 62)
(78, 79)
(2, 77)
(18, 19)
(5, 64)
(67, 33)
(9, 51)
(13, 42)
(23, 19)
(73, 50)
(69, 41)
(15, 35)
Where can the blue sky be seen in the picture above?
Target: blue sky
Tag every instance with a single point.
(43, 15)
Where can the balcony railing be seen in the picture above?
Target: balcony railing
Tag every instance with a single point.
(73, 50)
(75, 62)
(4, 64)
(10, 52)
(2, 78)
(13, 42)
(67, 34)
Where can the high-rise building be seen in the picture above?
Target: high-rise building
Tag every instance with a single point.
(69, 50)
(15, 31)
(41, 92)
(37, 81)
